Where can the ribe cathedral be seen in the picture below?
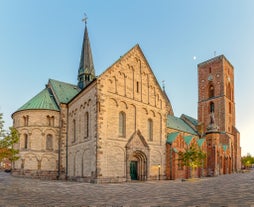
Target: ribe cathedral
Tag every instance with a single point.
(120, 126)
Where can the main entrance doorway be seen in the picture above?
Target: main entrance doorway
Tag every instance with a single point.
(138, 166)
(137, 158)
(134, 170)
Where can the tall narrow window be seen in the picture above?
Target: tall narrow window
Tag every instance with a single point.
(25, 118)
(180, 161)
(86, 125)
(122, 124)
(211, 110)
(211, 91)
(228, 91)
(25, 141)
(52, 121)
(150, 129)
(74, 130)
(137, 87)
(49, 142)
(48, 120)
(229, 107)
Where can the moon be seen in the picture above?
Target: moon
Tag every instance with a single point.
(194, 57)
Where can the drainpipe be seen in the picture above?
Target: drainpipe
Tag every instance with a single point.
(170, 163)
(59, 150)
(67, 129)
(95, 178)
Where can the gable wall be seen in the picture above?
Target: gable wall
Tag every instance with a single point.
(129, 86)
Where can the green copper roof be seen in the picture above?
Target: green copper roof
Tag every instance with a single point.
(225, 147)
(191, 119)
(171, 137)
(43, 100)
(178, 124)
(64, 92)
(201, 141)
(188, 139)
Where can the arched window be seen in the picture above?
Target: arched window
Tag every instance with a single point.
(49, 142)
(150, 129)
(52, 121)
(25, 141)
(180, 161)
(137, 87)
(48, 120)
(229, 108)
(25, 118)
(211, 108)
(86, 125)
(122, 124)
(228, 91)
(211, 91)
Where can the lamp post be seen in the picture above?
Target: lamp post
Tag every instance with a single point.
(159, 171)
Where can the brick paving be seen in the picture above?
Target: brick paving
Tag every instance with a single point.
(226, 190)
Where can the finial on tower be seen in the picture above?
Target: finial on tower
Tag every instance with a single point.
(85, 18)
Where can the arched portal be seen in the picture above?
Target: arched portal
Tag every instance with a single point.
(137, 165)
(137, 158)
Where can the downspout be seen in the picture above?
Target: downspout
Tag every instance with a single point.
(59, 145)
(97, 133)
(67, 129)
(170, 163)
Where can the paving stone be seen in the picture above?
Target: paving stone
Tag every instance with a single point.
(223, 191)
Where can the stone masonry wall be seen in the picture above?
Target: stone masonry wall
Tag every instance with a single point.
(130, 87)
(82, 136)
(38, 158)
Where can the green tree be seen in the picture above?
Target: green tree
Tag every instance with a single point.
(2, 132)
(192, 157)
(7, 146)
(247, 161)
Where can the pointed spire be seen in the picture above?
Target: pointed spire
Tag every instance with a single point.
(86, 72)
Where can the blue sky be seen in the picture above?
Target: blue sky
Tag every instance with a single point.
(42, 39)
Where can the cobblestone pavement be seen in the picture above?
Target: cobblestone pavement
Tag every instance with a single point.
(226, 190)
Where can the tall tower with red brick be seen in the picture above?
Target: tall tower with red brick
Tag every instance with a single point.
(216, 113)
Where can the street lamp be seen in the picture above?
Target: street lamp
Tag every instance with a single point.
(159, 171)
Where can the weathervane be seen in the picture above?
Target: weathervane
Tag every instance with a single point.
(85, 18)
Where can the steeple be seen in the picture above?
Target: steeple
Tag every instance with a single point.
(86, 72)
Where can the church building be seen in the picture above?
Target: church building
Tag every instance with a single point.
(120, 126)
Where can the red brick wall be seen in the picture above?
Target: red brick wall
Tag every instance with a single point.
(219, 73)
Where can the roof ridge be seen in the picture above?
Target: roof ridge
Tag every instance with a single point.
(179, 124)
(62, 91)
(50, 79)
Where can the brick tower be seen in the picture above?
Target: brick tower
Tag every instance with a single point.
(216, 112)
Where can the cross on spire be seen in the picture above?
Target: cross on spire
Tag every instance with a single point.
(85, 18)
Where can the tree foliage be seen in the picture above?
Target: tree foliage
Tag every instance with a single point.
(247, 160)
(2, 132)
(7, 142)
(192, 157)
